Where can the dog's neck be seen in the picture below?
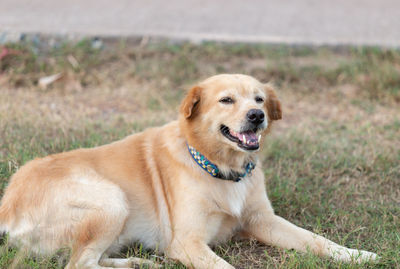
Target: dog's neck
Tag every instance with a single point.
(215, 171)
(226, 159)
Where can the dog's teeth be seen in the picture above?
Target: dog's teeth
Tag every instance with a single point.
(259, 138)
(244, 139)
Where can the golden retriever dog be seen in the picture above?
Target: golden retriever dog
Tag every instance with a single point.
(179, 188)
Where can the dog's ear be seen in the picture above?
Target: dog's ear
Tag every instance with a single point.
(191, 102)
(273, 104)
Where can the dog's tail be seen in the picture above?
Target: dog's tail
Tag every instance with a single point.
(3, 224)
(4, 216)
(7, 211)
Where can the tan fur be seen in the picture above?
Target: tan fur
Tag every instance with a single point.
(147, 188)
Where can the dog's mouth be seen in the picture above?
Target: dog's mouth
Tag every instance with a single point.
(246, 140)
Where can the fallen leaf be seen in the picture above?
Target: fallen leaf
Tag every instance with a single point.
(44, 82)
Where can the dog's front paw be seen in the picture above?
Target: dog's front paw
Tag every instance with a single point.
(354, 255)
(365, 256)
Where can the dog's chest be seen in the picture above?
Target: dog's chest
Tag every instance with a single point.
(229, 201)
(231, 198)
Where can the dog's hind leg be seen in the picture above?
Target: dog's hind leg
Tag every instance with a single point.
(93, 237)
(99, 221)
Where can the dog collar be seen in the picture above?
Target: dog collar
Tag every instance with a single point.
(213, 169)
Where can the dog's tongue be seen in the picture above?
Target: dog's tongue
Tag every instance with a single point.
(250, 136)
(246, 137)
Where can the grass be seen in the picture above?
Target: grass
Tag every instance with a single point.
(332, 165)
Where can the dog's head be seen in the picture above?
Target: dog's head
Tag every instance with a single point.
(229, 112)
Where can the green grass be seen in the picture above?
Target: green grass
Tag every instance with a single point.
(332, 165)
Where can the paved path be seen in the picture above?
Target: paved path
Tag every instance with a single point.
(335, 22)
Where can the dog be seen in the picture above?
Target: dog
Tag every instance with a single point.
(179, 188)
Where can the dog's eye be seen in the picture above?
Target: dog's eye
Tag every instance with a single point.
(226, 100)
(259, 99)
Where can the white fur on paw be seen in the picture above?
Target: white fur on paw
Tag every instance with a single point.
(130, 262)
(353, 255)
(365, 256)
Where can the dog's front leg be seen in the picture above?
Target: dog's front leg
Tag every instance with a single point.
(269, 228)
(194, 253)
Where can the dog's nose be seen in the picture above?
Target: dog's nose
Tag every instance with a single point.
(255, 116)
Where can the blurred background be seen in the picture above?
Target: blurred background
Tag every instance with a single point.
(84, 73)
(355, 22)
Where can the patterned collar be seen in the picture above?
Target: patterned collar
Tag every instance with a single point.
(213, 170)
